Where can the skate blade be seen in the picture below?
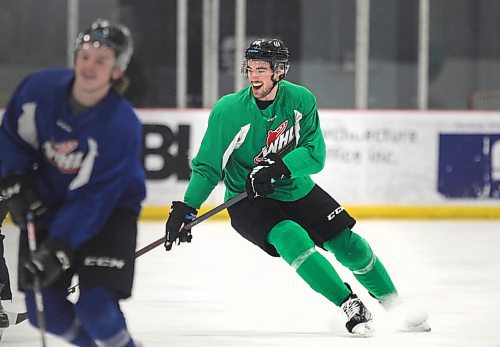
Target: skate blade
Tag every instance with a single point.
(417, 322)
(363, 330)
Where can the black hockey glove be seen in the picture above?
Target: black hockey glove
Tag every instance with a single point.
(21, 198)
(49, 262)
(260, 180)
(180, 214)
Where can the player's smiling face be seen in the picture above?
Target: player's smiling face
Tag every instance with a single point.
(260, 75)
(94, 69)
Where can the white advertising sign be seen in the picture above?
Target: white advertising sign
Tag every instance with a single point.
(373, 157)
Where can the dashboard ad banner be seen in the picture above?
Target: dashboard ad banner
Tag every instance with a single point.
(406, 158)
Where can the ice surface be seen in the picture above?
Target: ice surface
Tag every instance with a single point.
(222, 291)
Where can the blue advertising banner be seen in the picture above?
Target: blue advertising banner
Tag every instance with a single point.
(469, 166)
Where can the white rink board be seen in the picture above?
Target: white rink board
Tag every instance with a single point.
(373, 157)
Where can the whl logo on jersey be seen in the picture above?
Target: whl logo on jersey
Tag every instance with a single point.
(63, 155)
(277, 141)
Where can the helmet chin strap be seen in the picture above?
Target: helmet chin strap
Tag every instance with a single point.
(275, 82)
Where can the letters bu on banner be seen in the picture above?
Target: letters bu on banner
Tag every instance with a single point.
(171, 139)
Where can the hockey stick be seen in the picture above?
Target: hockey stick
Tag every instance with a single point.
(37, 286)
(196, 221)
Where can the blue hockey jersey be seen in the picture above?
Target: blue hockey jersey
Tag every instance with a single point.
(83, 165)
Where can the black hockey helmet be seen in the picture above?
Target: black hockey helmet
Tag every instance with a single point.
(117, 37)
(271, 50)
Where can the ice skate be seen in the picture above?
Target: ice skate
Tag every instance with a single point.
(358, 317)
(417, 322)
(4, 319)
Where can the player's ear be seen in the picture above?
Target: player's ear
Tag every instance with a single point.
(116, 73)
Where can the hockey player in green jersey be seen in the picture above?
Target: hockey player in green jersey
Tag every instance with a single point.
(266, 139)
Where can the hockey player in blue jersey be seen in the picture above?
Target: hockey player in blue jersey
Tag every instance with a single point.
(70, 146)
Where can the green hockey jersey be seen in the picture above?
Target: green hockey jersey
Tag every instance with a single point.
(239, 135)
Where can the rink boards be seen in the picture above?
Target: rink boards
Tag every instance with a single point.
(380, 164)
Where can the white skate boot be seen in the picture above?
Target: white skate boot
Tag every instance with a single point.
(4, 318)
(358, 317)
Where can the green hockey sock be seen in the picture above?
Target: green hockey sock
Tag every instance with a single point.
(296, 247)
(352, 251)
(376, 280)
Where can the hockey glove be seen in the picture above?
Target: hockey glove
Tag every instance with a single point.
(180, 214)
(48, 262)
(260, 180)
(21, 198)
